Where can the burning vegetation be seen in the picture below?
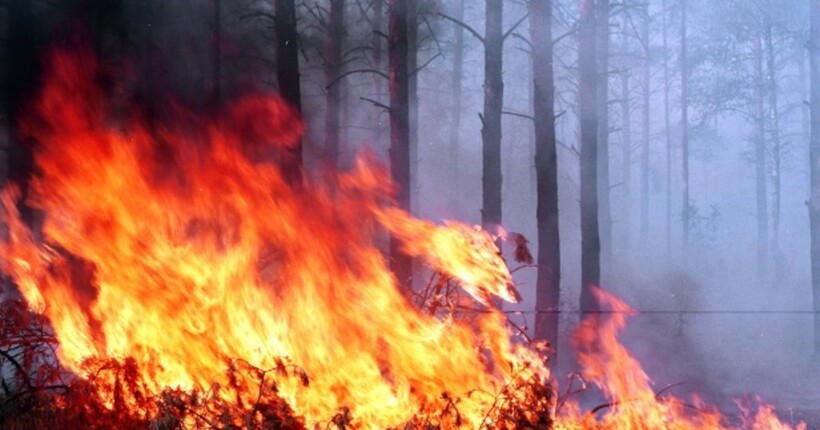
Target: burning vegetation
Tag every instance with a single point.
(179, 281)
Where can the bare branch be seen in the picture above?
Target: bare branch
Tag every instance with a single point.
(432, 33)
(520, 37)
(520, 115)
(351, 72)
(464, 26)
(376, 103)
(425, 64)
(517, 23)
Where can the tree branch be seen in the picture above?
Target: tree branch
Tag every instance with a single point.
(418, 69)
(517, 23)
(520, 115)
(351, 72)
(526, 41)
(464, 26)
(376, 103)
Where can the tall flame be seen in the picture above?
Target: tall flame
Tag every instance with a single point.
(174, 247)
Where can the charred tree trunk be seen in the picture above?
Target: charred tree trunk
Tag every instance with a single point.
(491, 119)
(814, 148)
(588, 96)
(760, 165)
(645, 76)
(548, 283)
(333, 69)
(287, 73)
(397, 48)
(684, 123)
(455, 110)
(602, 54)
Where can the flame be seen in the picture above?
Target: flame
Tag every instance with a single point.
(178, 248)
(632, 403)
(173, 247)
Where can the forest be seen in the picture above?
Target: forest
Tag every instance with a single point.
(666, 152)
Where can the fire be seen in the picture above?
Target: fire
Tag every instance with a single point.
(632, 402)
(186, 252)
(181, 251)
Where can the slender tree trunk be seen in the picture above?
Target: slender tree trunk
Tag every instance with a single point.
(378, 36)
(216, 52)
(645, 76)
(333, 69)
(774, 118)
(684, 121)
(397, 48)
(626, 142)
(548, 283)
(455, 110)
(413, 94)
(491, 119)
(378, 63)
(287, 71)
(760, 165)
(602, 9)
(588, 96)
(805, 109)
(667, 131)
(814, 148)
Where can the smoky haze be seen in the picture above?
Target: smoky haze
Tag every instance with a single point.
(722, 283)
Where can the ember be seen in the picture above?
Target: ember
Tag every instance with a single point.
(187, 284)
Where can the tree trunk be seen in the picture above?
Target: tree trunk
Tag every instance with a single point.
(602, 8)
(378, 63)
(814, 148)
(774, 118)
(491, 119)
(645, 76)
(667, 131)
(413, 98)
(760, 165)
(805, 109)
(588, 96)
(287, 73)
(397, 48)
(684, 122)
(333, 69)
(548, 283)
(626, 142)
(455, 110)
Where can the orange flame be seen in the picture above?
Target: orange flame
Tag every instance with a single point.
(184, 252)
(632, 403)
